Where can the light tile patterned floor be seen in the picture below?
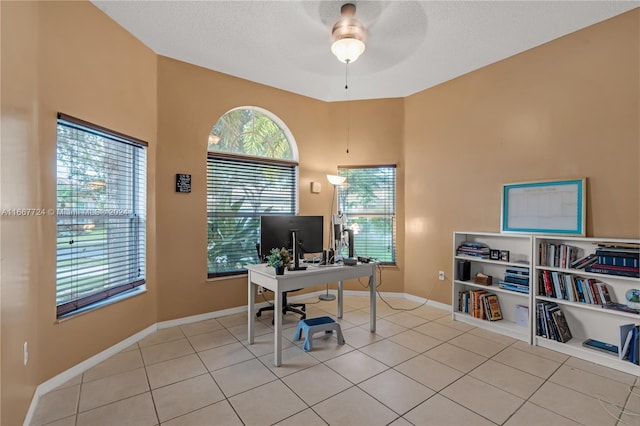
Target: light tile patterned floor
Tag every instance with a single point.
(420, 368)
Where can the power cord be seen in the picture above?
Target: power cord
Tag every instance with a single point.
(623, 411)
(379, 268)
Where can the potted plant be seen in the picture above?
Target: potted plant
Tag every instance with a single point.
(279, 259)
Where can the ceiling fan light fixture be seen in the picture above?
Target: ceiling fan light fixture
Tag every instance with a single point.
(347, 49)
(348, 35)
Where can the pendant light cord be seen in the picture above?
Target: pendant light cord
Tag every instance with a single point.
(346, 88)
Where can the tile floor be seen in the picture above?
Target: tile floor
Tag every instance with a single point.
(419, 368)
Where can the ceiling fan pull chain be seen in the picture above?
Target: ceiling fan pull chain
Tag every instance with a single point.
(346, 75)
(346, 88)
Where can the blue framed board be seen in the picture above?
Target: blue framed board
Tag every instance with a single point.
(546, 207)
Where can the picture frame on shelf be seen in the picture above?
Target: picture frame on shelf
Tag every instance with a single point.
(494, 254)
(504, 255)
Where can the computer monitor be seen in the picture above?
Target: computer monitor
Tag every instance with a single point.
(277, 231)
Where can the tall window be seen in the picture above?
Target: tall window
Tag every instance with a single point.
(251, 171)
(101, 214)
(368, 201)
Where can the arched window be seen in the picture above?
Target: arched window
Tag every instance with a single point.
(252, 170)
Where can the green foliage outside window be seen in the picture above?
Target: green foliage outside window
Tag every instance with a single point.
(368, 200)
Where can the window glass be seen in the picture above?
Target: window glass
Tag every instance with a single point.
(368, 201)
(101, 214)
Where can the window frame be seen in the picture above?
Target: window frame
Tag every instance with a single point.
(343, 192)
(254, 159)
(135, 240)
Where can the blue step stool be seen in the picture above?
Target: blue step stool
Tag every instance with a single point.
(316, 325)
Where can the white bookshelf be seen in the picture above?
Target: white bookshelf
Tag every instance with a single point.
(519, 247)
(586, 321)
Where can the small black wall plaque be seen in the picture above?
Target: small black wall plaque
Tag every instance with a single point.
(183, 183)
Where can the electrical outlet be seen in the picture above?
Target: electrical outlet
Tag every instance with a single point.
(441, 275)
(25, 353)
(259, 289)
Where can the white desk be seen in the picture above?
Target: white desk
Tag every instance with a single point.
(263, 275)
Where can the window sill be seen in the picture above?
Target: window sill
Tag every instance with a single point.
(227, 277)
(101, 304)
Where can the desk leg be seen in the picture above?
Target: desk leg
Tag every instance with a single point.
(372, 300)
(250, 311)
(277, 336)
(340, 306)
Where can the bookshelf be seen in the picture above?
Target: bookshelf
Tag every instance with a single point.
(519, 248)
(585, 320)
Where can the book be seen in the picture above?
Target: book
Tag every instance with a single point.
(621, 307)
(568, 285)
(600, 346)
(634, 346)
(516, 279)
(518, 270)
(562, 327)
(630, 262)
(626, 333)
(493, 313)
(594, 291)
(584, 261)
(552, 330)
(604, 292)
(522, 315)
(513, 287)
(614, 270)
(547, 283)
(617, 246)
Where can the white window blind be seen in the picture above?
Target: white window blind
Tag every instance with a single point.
(101, 214)
(239, 191)
(368, 201)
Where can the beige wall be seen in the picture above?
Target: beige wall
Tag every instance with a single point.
(19, 239)
(190, 100)
(62, 57)
(566, 109)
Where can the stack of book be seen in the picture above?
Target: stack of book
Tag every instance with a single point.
(584, 261)
(572, 288)
(557, 255)
(552, 323)
(617, 259)
(630, 343)
(480, 304)
(516, 278)
(473, 248)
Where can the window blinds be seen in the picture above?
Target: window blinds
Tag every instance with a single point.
(101, 214)
(239, 191)
(368, 200)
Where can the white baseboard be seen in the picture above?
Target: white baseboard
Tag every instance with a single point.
(85, 365)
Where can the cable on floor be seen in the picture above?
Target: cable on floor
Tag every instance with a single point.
(379, 268)
(623, 411)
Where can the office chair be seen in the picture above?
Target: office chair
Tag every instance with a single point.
(286, 307)
(296, 308)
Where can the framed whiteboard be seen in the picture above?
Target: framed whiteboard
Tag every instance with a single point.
(546, 207)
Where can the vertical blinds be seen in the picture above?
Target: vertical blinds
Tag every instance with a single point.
(239, 191)
(101, 214)
(368, 201)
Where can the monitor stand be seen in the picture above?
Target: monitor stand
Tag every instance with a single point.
(296, 251)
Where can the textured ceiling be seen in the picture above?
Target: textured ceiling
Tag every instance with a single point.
(411, 45)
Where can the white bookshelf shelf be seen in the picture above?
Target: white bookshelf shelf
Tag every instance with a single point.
(585, 320)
